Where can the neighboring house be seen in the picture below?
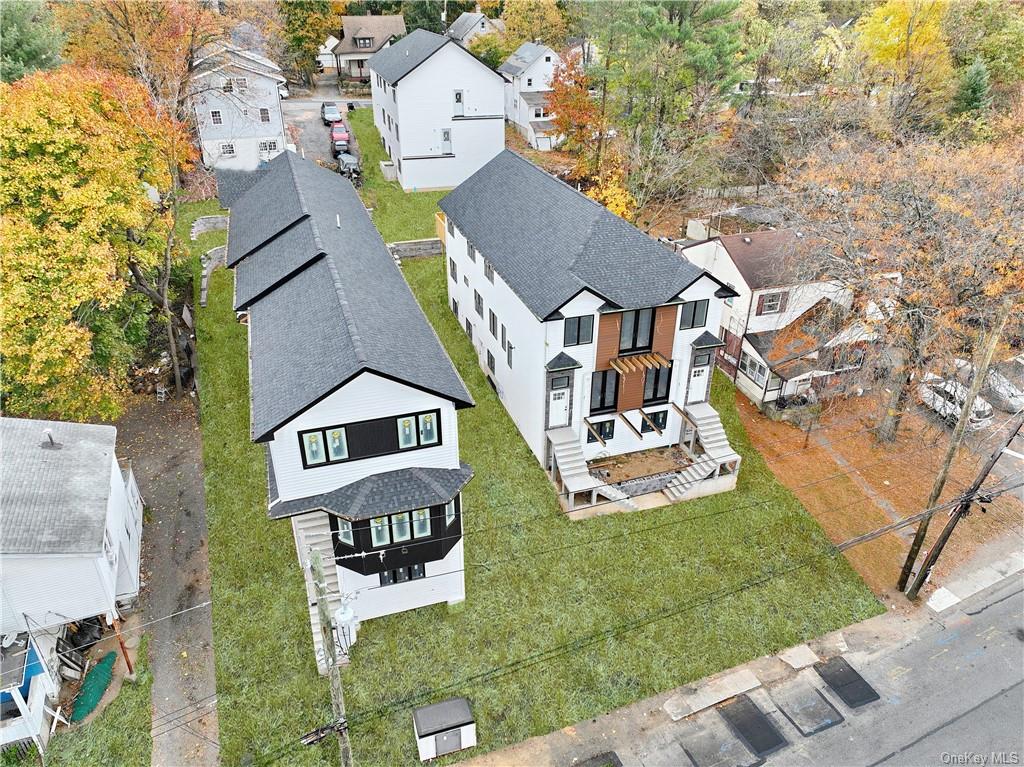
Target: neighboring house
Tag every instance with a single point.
(361, 38)
(594, 335)
(238, 108)
(470, 25)
(528, 74)
(438, 109)
(70, 543)
(352, 394)
(325, 58)
(582, 48)
(757, 353)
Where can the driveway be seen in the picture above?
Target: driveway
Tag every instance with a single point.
(163, 442)
(302, 117)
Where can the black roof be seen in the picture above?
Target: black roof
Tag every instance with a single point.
(707, 340)
(331, 302)
(562, 361)
(232, 184)
(549, 242)
(400, 58)
(439, 717)
(378, 494)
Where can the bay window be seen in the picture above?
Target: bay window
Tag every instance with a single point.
(345, 532)
(380, 532)
(400, 530)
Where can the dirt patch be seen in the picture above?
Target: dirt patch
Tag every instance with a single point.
(643, 464)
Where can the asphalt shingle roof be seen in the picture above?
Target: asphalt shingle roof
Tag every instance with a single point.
(379, 28)
(388, 493)
(281, 257)
(466, 21)
(549, 242)
(399, 59)
(271, 205)
(524, 56)
(707, 340)
(232, 184)
(761, 257)
(347, 311)
(54, 501)
(562, 361)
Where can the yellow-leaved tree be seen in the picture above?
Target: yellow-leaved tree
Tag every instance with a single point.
(533, 20)
(82, 150)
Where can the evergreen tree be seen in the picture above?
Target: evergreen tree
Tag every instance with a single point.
(973, 95)
(31, 41)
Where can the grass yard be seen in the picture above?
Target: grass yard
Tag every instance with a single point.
(268, 690)
(398, 215)
(519, 602)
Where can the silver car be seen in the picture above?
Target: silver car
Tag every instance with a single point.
(1004, 382)
(946, 397)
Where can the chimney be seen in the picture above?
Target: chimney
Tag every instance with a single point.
(746, 240)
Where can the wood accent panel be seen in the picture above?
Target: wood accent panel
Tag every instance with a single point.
(664, 330)
(607, 340)
(631, 390)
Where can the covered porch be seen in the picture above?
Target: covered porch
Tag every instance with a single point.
(27, 685)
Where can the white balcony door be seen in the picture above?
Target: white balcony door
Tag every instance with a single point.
(558, 408)
(446, 140)
(460, 108)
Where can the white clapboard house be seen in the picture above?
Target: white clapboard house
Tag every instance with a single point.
(597, 338)
(438, 109)
(352, 394)
(528, 74)
(780, 329)
(70, 544)
(471, 24)
(238, 108)
(361, 38)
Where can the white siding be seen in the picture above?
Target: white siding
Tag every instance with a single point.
(801, 298)
(366, 397)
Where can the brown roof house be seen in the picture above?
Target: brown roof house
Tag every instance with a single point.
(361, 37)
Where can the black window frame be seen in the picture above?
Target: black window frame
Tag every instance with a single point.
(492, 323)
(403, 574)
(605, 428)
(636, 347)
(508, 355)
(702, 359)
(559, 382)
(488, 271)
(691, 323)
(603, 406)
(453, 269)
(478, 303)
(393, 420)
(660, 419)
(490, 360)
(662, 379)
(572, 330)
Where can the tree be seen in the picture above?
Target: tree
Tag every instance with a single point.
(610, 191)
(576, 114)
(72, 224)
(31, 40)
(993, 31)
(533, 20)
(426, 14)
(305, 26)
(492, 48)
(907, 53)
(928, 234)
(974, 94)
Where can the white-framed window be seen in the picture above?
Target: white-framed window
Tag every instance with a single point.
(508, 355)
(469, 251)
(380, 531)
(216, 117)
(364, 42)
(400, 529)
(421, 523)
(227, 150)
(490, 360)
(449, 513)
(453, 270)
(313, 448)
(345, 532)
(264, 115)
(753, 369)
(268, 146)
(488, 271)
(529, 82)
(771, 303)
(451, 228)
(493, 322)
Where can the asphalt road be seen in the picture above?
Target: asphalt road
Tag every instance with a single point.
(303, 114)
(952, 693)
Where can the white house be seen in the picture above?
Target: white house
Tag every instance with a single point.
(70, 544)
(325, 58)
(438, 109)
(472, 24)
(595, 336)
(777, 325)
(361, 38)
(352, 394)
(528, 74)
(238, 108)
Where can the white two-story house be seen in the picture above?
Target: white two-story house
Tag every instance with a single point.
(70, 543)
(352, 394)
(471, 24)
(438, 110)
(528, 74)
(237, 106)
(778, 325)
(596, 337)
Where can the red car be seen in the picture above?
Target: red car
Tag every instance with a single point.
(339, 132)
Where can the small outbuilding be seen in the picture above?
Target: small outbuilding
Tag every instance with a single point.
(443, 728)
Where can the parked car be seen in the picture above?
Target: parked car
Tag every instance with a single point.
(339, 148)
(329, 113)
(347, 163)
(339, 132)
(1000, 386)
(946, 397)
(282, 91)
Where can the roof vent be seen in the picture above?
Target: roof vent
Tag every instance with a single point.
(746, 240)
(337, 220)
(49, 443)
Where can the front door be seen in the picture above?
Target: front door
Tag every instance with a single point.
(459, 106)
(697, 391)
(446, 141)
(558, 408)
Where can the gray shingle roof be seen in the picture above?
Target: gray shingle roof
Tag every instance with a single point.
(520, 61)
(549, 242)
(466, 21)
(387, 493)
(346, 311)
(280, 258)
(54, 501)
(562, 361)
(535, 98)
(707, 340)
(232, 184)
(397, 60)
(271, 205)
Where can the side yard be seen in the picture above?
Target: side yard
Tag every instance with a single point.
(535, 581)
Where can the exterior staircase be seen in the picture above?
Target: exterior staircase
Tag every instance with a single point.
(312, 531)
(572, 467)
(717, 451)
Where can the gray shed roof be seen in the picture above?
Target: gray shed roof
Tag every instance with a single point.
(439, 717)
(524, 56)
(54, 501)
(550, 242)
(397, 60)
(707, 340)
(388, 493)
(333, 301)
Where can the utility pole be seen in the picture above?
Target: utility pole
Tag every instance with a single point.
(962, 510)
(980, 371)
(316, 567)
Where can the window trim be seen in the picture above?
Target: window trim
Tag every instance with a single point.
(217, 117)
(488, 271)
(605, 408)
(492, 323)
(751, 361)
(658, 373)
(340, 534)
(703, 303)
(436, 412)
(764, 303)
(478, 303)
(599, 426)
(578, 322)
(635, 348)
(227, 149)
(660, 415)
(264, 111)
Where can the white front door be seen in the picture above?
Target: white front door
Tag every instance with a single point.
(459, 106)
(446, 141)
(698, 388)
(558, 408)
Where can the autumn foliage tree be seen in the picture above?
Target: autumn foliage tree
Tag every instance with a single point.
(576, 113)
(533, 20)
(80, 146)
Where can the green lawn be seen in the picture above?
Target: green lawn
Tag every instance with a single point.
(398, 215)
(268, 690)
(518, 604)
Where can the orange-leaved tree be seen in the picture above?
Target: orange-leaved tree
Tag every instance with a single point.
(576, 114)
(83, 149)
